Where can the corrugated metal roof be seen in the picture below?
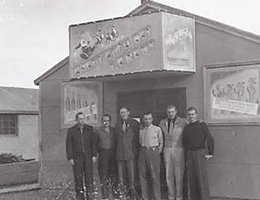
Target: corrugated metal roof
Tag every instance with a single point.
(19, 100)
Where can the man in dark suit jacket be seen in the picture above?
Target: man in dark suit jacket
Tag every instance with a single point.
(127, 137)
(81, 153)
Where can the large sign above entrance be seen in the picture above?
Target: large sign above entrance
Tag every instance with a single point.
(152, 42)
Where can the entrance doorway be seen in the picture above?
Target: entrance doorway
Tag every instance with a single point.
(155, 101)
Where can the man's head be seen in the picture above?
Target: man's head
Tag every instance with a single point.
(148, 119)
(106, 120)
(80, 118)
(124, 113)
(192, 114)
(171, 111)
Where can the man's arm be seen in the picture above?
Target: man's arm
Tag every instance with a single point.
(209, 140)
(160, 139)
(69, 147)
(93, 144)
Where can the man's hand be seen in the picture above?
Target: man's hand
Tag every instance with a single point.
(71, 161)
(94, 159)
(208, 156)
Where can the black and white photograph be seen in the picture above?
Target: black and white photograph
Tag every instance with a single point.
(129, 100)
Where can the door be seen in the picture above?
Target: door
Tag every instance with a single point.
(155, 101)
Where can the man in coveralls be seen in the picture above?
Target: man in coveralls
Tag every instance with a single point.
(151, 141)
(81, 153)
(127, 139)
(172, 128)
(106, 156)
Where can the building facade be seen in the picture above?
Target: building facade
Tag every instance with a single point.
(216, 69)
(19, 137)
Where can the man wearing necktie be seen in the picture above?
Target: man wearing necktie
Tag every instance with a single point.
(127, 147)
(172, 128)
(151, 142)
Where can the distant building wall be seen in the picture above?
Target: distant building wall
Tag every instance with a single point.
(26, 143)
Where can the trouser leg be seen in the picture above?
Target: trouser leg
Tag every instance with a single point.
(88, 172)
(78, 178)
(179, 164)
(201, 171)
(112, 171)
(169, 168)
(192, 176)
(131, 176)
(103, 172)
(121, 189)
(143, 174)
(154, 169)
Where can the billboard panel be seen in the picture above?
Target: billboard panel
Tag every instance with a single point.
(178, 42)
(124, 45)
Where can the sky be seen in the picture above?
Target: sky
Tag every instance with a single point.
(34, 33)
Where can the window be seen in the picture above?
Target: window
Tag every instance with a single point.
(8, 124)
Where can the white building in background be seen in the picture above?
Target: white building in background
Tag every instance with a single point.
(19, 122)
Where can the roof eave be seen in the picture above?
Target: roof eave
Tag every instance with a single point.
(51, 70)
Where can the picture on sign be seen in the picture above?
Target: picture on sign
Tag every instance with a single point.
(179, 43)
(116, 46)
(81, 96)
(232, 93)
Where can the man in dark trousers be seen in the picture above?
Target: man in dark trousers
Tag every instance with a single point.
(81, 153)
(127, 137)
(151, 141)
(199, 146)
(106, 158)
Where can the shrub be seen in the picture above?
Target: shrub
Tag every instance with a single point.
(10, 158)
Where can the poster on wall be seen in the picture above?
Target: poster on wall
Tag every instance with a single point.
(178, 42)
(232, 93)
(115, 46)
(81, 96)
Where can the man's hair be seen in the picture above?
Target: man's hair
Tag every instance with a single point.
(123, 107)
(107, 115)
(171, 106)
(147, 113)
(192, 108)
(79, 113)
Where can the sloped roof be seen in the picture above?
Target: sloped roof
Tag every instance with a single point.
(19, 100)
(151, 6)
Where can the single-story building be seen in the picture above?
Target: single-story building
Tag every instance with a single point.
(155, 56)
(19, 143)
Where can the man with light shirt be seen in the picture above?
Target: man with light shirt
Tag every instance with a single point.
(151, 141)
(199, 145)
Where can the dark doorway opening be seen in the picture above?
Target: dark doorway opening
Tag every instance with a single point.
(155, 101)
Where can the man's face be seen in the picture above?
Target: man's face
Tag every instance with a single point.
(171, 113)
(106, 121)
(148, 119)
(192, 116)
(124, 113)
(80, 119)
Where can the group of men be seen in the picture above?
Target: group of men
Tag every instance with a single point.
(129, 155)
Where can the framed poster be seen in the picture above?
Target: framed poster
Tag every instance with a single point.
(231, 93)
(81, 96)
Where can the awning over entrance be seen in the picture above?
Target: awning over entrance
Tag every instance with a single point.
(147, 43)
